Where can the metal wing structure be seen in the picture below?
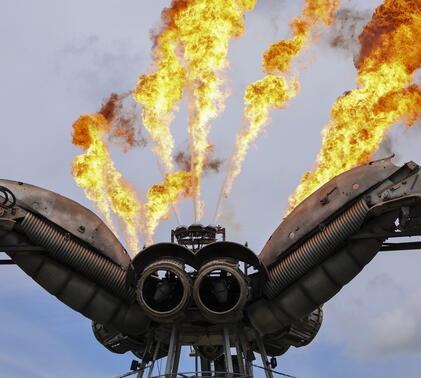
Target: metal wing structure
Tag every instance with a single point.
(201, 290)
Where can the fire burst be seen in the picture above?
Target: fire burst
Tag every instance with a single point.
(205, 32)
(275, 91)
(198, 31)
(176, 186)
(359, 119)
(190, 54)
(96, 173)
(159, 93)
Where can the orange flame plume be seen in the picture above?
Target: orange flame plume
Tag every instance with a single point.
(95, 172)
(190, 51)
(176, 186)
(388, 59)
(160, 91)
(205, 30)
(275, 91)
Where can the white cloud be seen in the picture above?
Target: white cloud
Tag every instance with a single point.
(397, 331)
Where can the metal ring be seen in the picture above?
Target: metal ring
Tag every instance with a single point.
(9, 198)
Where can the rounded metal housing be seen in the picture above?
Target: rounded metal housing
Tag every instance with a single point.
(164, 290)
(221, 291)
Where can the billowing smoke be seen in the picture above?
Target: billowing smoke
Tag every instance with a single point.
(211, 164)
(348, 25)
(385, 149)
(229, 219)
(386, 95)
(122, 114)
(110, 105)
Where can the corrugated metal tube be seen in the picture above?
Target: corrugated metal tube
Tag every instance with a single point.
(65, 249)
(315, 250)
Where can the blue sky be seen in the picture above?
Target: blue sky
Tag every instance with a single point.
(59, 59)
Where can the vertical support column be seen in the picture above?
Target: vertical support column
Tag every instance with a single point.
(240, 355)
(264, 356)
(196, 363)
(248, 361)
(146, 357)
(176, 359)
(173, 352)
(228, 357)
(155, 355)
(205, 366)
(142, 370)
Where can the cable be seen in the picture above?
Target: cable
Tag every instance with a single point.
(273, 371)
(133, 372)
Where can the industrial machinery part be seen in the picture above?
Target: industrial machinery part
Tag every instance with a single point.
(221, 291)
(201, 290)
(307, 273)
(297, 334)
(64, 248)
(78, 292)
(196, 236)
(71, 217)
(316, 249)
(323, 206)
(164, 290)
(88, 280)
(115, 341)
(7, 198)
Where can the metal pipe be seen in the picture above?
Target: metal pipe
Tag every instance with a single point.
(155, 354)
(164, 296)
(263, 355)
(64, 248)
(221, 291)
(172, 352)
(315, 250)
(228, 358)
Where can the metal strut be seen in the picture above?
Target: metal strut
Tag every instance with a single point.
(228, 358)
(173, 353)
(155, 354)
(7, 262)
(264, 356)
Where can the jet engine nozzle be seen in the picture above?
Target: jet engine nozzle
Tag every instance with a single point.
(164, 290)
(221, 291)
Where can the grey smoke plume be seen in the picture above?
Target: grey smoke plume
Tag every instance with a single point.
(348, 25)
(123, 115)
(229, 219)
(212, 164)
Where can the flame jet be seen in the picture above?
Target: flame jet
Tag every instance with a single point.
(385, 95)
(87, 134)
(189, 52)
(96, 173)
(275, 91)
(205, 30)
(175, 186)
(159, 93)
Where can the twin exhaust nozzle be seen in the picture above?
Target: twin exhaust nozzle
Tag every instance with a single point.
(219, 289)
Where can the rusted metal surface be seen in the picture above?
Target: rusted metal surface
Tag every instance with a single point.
(322, 204)
(320, 247)
(71, 216)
